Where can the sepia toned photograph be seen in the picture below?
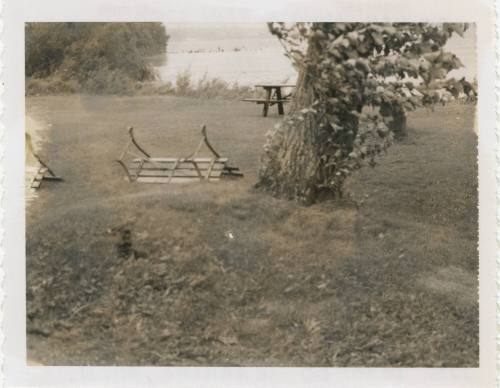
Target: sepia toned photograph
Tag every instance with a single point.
(299, 194)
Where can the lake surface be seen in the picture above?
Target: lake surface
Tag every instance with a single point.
(247, 54)
(242, 61)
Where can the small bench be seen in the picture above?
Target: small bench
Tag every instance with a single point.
(146, 169)
(43, 173)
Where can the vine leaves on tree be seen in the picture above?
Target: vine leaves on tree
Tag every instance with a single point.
(354, 78)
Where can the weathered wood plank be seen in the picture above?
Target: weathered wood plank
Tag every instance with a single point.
(173, 179)
(173, 160)
(52, 178)
(176, 173)
(274, 86)
(263, 100)
(36, 184)
(180, 166)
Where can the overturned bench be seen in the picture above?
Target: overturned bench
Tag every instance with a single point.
(43, 173)
(147, 169)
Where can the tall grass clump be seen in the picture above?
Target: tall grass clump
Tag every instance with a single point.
(206, 87)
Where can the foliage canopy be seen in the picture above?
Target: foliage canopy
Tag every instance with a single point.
(353, 79)
(95, 56)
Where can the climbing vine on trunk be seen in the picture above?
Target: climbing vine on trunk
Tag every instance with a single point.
(354, 80)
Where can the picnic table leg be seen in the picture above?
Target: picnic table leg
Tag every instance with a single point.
(266, 103)
(280, 104)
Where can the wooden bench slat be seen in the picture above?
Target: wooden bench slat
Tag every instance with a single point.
(275, 86)
(177, 173)
(180, 166)
(52, 178)
(160, 168)
(174, 179)
(173, 160)
(36, 184)
(263, 100)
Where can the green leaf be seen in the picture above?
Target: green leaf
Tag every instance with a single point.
(377, 38)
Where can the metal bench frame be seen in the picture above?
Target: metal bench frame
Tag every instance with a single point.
(143, 167)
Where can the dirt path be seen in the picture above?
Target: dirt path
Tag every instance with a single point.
(218, 274)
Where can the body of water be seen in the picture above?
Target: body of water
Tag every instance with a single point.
(248, 54)
(243, 61)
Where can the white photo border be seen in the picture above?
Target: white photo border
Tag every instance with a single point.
(16, 13)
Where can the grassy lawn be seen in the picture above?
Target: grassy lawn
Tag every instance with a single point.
(219, 274)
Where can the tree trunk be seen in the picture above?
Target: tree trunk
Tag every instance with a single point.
(295, 165)
(397, 124)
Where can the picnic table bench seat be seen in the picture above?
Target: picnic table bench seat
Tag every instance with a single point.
(263, 100)
(147, 169)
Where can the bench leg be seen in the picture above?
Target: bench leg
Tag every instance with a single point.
(280, 104)
(266, 104)
(265, 109)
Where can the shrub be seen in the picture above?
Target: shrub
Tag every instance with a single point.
(100, 57)
(183, 84)
(52, 85)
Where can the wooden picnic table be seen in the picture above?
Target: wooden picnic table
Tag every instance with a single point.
(273, 96)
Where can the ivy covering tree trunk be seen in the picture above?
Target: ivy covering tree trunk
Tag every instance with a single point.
(295, 166)
(356, 82)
